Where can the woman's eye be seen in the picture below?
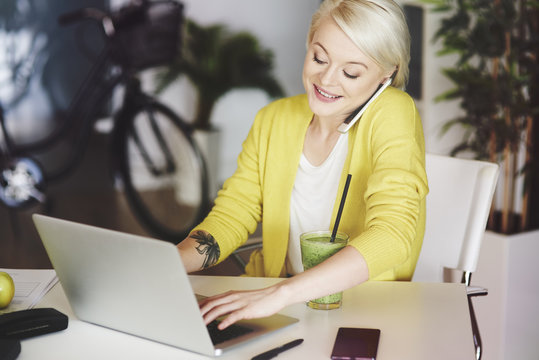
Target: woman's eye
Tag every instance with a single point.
(318, 61)
(350, 76)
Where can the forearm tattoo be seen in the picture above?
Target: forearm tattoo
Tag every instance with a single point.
(208, 247)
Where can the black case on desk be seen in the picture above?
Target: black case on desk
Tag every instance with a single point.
(9, 349)
(28, 323)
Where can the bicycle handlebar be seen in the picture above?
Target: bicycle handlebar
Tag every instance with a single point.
(88, 13)
(132, 13)
(77, 15)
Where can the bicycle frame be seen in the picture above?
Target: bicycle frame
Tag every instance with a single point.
(134, 98)
(98, 84)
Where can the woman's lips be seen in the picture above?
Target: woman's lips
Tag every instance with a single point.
(324, 95)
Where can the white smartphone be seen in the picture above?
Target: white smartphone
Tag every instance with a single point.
(347, 124)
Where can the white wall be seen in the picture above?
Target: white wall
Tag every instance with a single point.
(508, 317)
(433, 114)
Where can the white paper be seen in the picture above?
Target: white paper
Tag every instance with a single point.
(30, 286)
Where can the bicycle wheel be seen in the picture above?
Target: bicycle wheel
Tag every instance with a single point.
(162, 171)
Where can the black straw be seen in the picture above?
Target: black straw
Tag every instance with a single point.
(341, 206)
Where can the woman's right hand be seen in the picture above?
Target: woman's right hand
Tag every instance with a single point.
(239, 305)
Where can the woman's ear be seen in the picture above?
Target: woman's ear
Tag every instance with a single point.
(387, 79)
(390, 75)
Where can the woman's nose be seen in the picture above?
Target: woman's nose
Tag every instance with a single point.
(328, 76)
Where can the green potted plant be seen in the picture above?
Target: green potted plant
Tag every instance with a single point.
(495, 79)
(216, 61)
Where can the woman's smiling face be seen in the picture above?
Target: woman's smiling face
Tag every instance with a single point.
(337, 76)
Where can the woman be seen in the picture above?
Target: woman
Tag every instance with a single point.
(294, 163)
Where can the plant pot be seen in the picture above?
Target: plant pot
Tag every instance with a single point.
(508, 316)
(209, 142)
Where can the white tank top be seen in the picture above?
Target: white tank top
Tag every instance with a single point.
(313, 198)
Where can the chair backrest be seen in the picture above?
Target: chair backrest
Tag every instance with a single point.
(458, 205)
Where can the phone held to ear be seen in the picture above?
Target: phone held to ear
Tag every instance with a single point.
(356, 344)
(344, 127)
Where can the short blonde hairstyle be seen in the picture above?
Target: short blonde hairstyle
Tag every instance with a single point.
(378, 28)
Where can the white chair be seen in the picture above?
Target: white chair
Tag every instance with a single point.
(458, 205)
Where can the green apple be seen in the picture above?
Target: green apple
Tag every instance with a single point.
(7, 289)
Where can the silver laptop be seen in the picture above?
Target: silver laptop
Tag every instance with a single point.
(136, 285)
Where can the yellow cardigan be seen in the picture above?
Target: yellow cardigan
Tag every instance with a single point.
(384, 212)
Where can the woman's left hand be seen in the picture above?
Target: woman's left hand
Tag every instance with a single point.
(240, 305)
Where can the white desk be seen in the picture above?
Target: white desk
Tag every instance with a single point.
(417, 321)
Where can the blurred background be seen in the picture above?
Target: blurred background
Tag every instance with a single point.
(42, 64)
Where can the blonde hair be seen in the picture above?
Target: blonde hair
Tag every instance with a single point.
(378, 28)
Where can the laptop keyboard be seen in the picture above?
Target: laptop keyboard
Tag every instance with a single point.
(231, 332)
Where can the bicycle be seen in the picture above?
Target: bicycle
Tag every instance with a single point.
(155, 159)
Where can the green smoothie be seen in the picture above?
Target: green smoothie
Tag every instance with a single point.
(315, 248)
